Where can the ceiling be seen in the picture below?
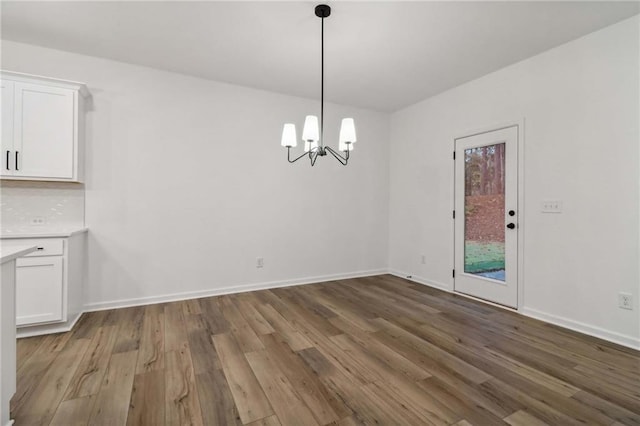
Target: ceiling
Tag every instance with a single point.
(378, 55)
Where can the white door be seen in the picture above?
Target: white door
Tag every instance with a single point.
(39, 290)
(7, 127)
(486, 216)
(44, 131)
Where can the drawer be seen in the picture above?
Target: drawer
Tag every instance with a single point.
(45, 246)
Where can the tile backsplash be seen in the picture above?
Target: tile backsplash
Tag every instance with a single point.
(51, 205)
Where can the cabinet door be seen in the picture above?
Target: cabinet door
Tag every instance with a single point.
(7, 127)
(44, 132)
(39, 290)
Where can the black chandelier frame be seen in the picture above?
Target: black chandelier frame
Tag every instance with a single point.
(322, 11)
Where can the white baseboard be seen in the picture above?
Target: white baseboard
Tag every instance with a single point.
(601, 333)
(125, 303)
(39, 330)
(611, 336)
(580, 327)
(420, 280)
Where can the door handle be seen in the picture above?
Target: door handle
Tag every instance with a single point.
(17, 161)
(7, 166)
(511, 225)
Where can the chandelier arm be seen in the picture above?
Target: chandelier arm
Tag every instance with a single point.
(289, 155)
(340, 158)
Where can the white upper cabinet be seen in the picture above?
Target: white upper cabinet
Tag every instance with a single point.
(7, 124)
(42, 128)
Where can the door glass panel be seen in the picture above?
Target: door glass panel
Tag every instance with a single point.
(484, 224)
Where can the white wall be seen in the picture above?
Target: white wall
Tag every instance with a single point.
(187, 184)
(581, 109)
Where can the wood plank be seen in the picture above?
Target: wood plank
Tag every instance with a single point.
(294, 338)
(539, 408)
(609, 409)
(267, 421)
(253, 317)
(287, 404)
(111, 406)
(203, 351)
(151, 351)
(216, 399)
(459, 403)
(490, 399)
(130, 329)
(87, 324)
(88, 377)
(247, 339)
(43, 401)
(349, 421)
(463, 423)
(147, 405)
(25, 347)
(30, 375)
(347, 311)
(522, 418)
(427, 355)
(191, 307)
(210, 309)
(379, 396)
(182, 406)
(74, 412)
(382, 352)
(532, 374)
(175, 330)
(346, 390)
(248, 395)
(324, 407)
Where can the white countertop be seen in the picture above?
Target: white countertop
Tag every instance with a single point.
(41, 232)
(10, 253)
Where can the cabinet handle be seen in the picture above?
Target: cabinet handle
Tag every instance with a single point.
(17, 161)
(7, 166)
(39, 248)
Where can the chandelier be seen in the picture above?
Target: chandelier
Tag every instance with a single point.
(312, 135)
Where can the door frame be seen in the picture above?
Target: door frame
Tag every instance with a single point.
(520, 125)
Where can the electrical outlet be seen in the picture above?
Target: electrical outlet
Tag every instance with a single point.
(37, 221)
(260, 262)
(424, 259)
(551, 206)
(625, 301)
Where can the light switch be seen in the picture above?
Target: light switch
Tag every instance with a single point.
(551, 206)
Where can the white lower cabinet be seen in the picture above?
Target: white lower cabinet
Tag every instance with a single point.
(39, 290)
(49, 284)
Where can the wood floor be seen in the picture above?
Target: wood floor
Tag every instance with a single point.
(375, 351)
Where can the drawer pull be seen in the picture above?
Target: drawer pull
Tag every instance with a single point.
(39, 248)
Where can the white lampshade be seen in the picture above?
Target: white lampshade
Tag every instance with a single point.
(310, 131)
(289, 135)
(310, 145)
(347, 131)
(343, 146)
